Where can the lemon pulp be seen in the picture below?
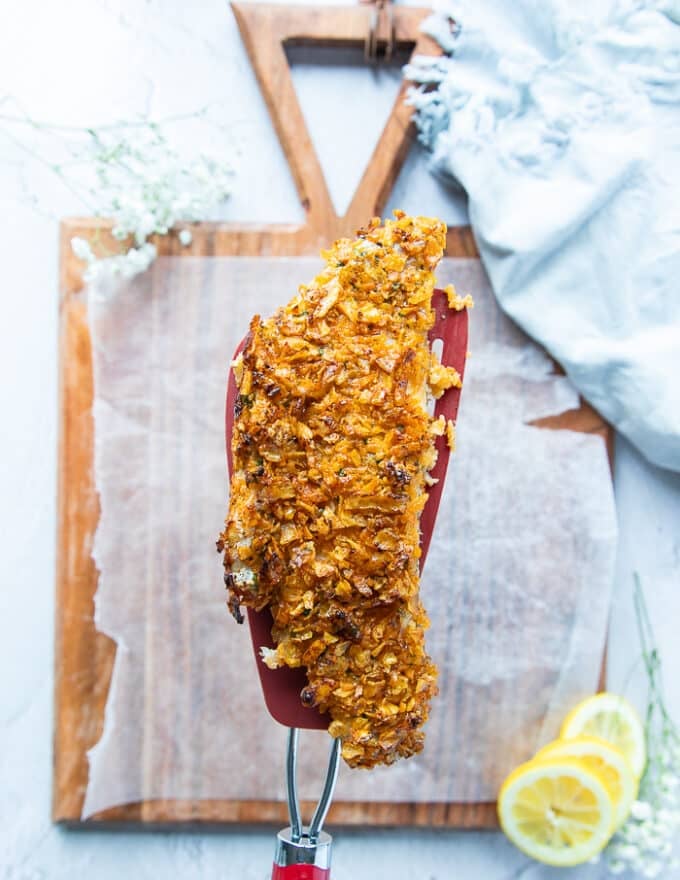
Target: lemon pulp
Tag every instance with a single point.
(612, 718)
(607, 761)
(556, 810)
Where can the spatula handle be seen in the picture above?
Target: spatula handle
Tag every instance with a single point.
(300, 872)
(300, 858)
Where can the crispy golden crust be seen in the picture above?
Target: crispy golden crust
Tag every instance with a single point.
(331, 446)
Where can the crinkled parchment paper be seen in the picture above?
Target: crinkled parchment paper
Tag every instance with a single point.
(517, 582)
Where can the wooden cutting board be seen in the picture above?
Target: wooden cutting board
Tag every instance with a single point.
(84, 657)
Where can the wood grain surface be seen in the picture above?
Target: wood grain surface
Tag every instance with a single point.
(84, 657)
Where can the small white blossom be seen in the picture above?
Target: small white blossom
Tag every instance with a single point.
(629, 852)
(665, 816)
(147, 188)
(145, 226)
(95, 271)
(81, 248)
(647, 837)
(640, 810)
(644, 843)
(123, 266)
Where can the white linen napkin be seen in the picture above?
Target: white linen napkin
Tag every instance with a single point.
(562, 123)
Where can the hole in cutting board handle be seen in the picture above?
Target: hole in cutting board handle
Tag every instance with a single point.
(346, 103)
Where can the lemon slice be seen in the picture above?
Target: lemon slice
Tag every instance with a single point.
(612, 718)
(608, 761)
(556, 810)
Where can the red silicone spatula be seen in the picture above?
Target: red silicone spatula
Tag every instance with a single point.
(303, 853)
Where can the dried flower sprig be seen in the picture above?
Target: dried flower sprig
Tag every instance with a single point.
(645, 842)
(149, 189)
(132, 173)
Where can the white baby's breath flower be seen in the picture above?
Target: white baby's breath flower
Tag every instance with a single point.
(631, 832)
(629, 852)
(124, 266)
(148, 188)
(137, 260)
(91, 274)
(641, 810)
(645, 842)
(81, 248)
(145, 226)
(647, 837)
(665, 821)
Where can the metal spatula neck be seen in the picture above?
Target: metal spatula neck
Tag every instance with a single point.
(303, 851)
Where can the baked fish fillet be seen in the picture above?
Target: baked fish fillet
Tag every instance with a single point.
(332, 444)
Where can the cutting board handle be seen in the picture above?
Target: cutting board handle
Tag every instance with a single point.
(266, 29)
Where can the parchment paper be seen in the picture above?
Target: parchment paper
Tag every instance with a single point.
(517, 582)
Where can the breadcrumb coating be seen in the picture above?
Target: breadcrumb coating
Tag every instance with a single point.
(332, 444)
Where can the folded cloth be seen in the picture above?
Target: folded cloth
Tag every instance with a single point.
(562, 123)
